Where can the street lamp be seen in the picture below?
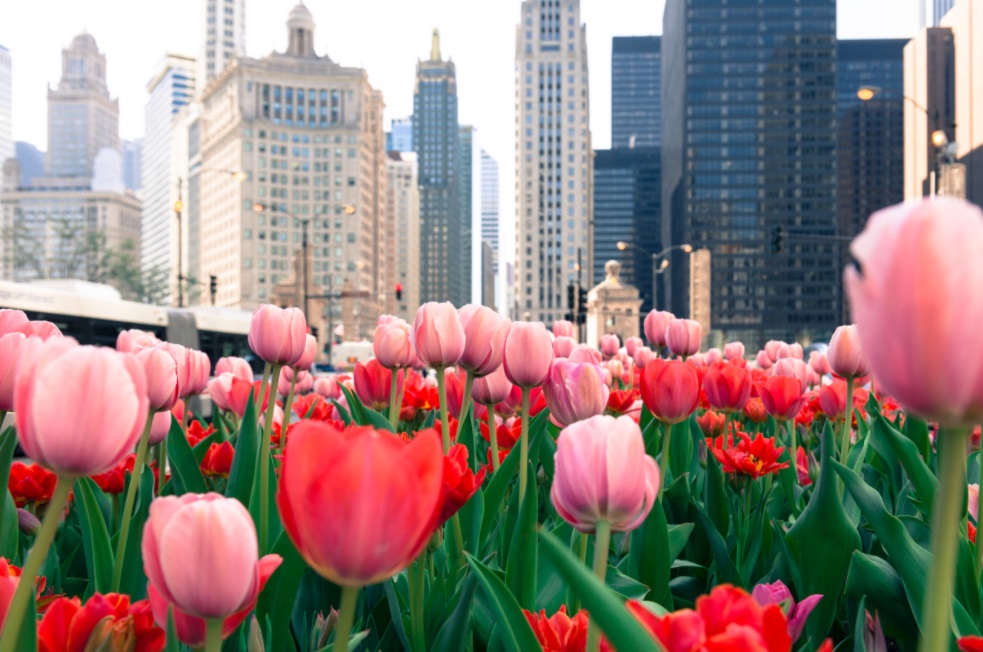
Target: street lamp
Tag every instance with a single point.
(657, 267)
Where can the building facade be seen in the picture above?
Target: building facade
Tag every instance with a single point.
(224, 37)
(6, 105)
(444, 225)
(400, 136)
(554, 207)
(403, 208)
(31, 161)
(467, 258)
(940, 8)
(749, 153)
(628, 209)
(132, 153)
(489, 220)
(636, 91)
(307, 135)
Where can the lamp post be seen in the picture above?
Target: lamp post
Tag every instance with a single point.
(657, 267)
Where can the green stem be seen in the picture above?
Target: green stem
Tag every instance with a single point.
(131, 494)
(35, 559)
(493, 437)
(349, 600)
(394, 399)
(286, 412)
(266, 380)
(466, 399)
(602, 541)
(162, 465)
(946, 518)
(726, 428)
(417, 578)
(458, 539)
(213, 635)
(790, 429)
(445, 429)
(264, 467)
(582, 556)
(664, 460)
(979, 512)
(847, 423)
(524, 444)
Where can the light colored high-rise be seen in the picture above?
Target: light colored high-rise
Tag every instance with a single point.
(225, 37)
(82, 118)
(489, 222)
(171, 87)
(400, 137)
(466, 258)
(6, 104)
(403, 208)
(307, 134)
(553, 156)
(132, 153)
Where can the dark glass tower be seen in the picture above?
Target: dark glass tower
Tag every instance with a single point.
(443, 226)
(628, 208)
(749, 157)
(636, 80)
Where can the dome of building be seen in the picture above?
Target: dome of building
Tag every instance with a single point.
(84, 41)
(300, 16)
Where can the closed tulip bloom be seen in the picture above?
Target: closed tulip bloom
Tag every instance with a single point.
(236, 366)
(343, 500)
(563, 346)
(727, 387)
(575, 392)
(795, 350)
(683, 336)
(287, 374)
(310, 351)
(564, 328)
(670, 389)
(199, 368)
(763, 360)
(160, 370)
(584, 353)
(13, 321)
(10, 344)
(713, 356)
(438, 335)
(327, 387)
(734, 350)
(393, 346)
(616, 367)
(219, 389)
(278, 335)
(832, 399)
(201, 556)
(102, 405)
(454, 383)
(845, 355)
(528, 354)
(484, 338)
(633, 343)
(609, 344)
(133, 340)
(819, 363)
(974, 500)
(782, 397)
(776, 350)
(372, 383)
(793, 368)
(493, 388)
(603, 473)
(655, 327)
(160, 426)
(642, 356)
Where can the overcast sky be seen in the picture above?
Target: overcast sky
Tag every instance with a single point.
(386, 37)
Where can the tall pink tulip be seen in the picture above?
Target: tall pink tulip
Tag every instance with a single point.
(845, 354)
(310, 351)
(438, 335)
(795, 350)
(287, 374)
(610, 344)
(776, 349)
(643, 355)
(734, 350)
(160, 370)
(764, 360)
(223, 577)
(712, 356)
(655, 327)
(819, 363)
(278, 336)
(327, 387)
(101, 409)
(564, 328)
(584, 353)
(42, 329)
(484, 338)
(393, 346)
(236, 366)
(575, 392)
(493, 388)
(219, 389)
(528, 354)
(563, 346)
(683, 336)
(633, 343)
(131, 340)
(160, 426)
(199, 367)
(603, 474)
(10, 344)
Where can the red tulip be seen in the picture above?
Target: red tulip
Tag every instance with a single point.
(620, 401)
(113, 481)
(239, 393)
(105, 622)
(236, 366)
(670, 390)
(372, 383)
(559, 632)
(754, 410)
(528, 354)
(782, 397)
(344, 503)
(277, 335)
(712, 424)
(218, 460)
(101, 410)
(454, 384)
(727, 387)
(655, 327)
(484, 338)
(460, 482)
(30, 484)
(438, 335)
(753, 458)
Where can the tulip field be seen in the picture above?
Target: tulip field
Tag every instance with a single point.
(482, 484)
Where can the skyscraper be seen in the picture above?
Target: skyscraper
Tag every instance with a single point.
(467, 257)
(225, 37)
(636, 88)
(164, 161)
(82, 118)
(403, 207)
(940, 8)
(307, 134)
(6, 106)
(400, 136)
(436, 141)
(31, 161)
(749, 163)
(489, 216)
(132, 153)
(553, 156)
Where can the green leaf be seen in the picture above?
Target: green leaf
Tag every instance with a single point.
(275, 527)
(133, 581)
(715, 497)
(173, 645)
(395, 613)
(9, 528)
(520, 570)
(922, 480)
(8, 442)
(875, 579)
(185, 471)
(355, 406)
(821, 544)
(465, 436)
(99, 558)
(648, 557)
(27, 637)
(726, 570)
(343, 412)
(916, 430)
(243, 472)
(494, 492)
(454, 633)
(678, 536)
(620, 627)
(512, 626)
(276, 602)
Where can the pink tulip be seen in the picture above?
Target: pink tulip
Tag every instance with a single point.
(327, 387)
(777, 349)
(915, 307)
(10, 345)
(643, 355)
(438, 335)
(387, 319)
(236, 366)
(528, 354)
(734, 350)
(795, 350)
(287, 375)
(14, 321)
(712, 356)
(278, 336)
(310, 351)
(845, 355)
(974, 500)
(575, 392)
(632, 344)
(493, 388)
(819, 363)
(564, 328)
(655, 327)
(796, 613)
(392, 345)
(603, 473)
(563, 346)
(764, 360)
(132, 340)
(617, 369)
(223, 577)
(584, 353)
(160, 370)
(199, 367)
(484, 338)
(219, 389)
(683, 336)
(160, 426)
(101, 405)
(793, 368)
(609, 344)
(42, 329)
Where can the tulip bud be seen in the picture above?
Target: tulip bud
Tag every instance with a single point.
(27, 522)
(845, 355)
(528, 354)
(683, 336)
(255, 642)
(575, 392)
(563, 346)
(763, 360)
(160, 369)
(655, 327)
(564, 328)
(438, 335)
(484, 338)
(793, 368)
(236, 366)
(734, 351)
(633, 343)
(13, 321)
(278, 336)
(493, 388)
(159, 427)
(393, 346)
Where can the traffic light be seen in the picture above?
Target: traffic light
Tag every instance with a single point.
(399, 292)
(212, 286)
(777, 239)
(581, 305)
(571, 293)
